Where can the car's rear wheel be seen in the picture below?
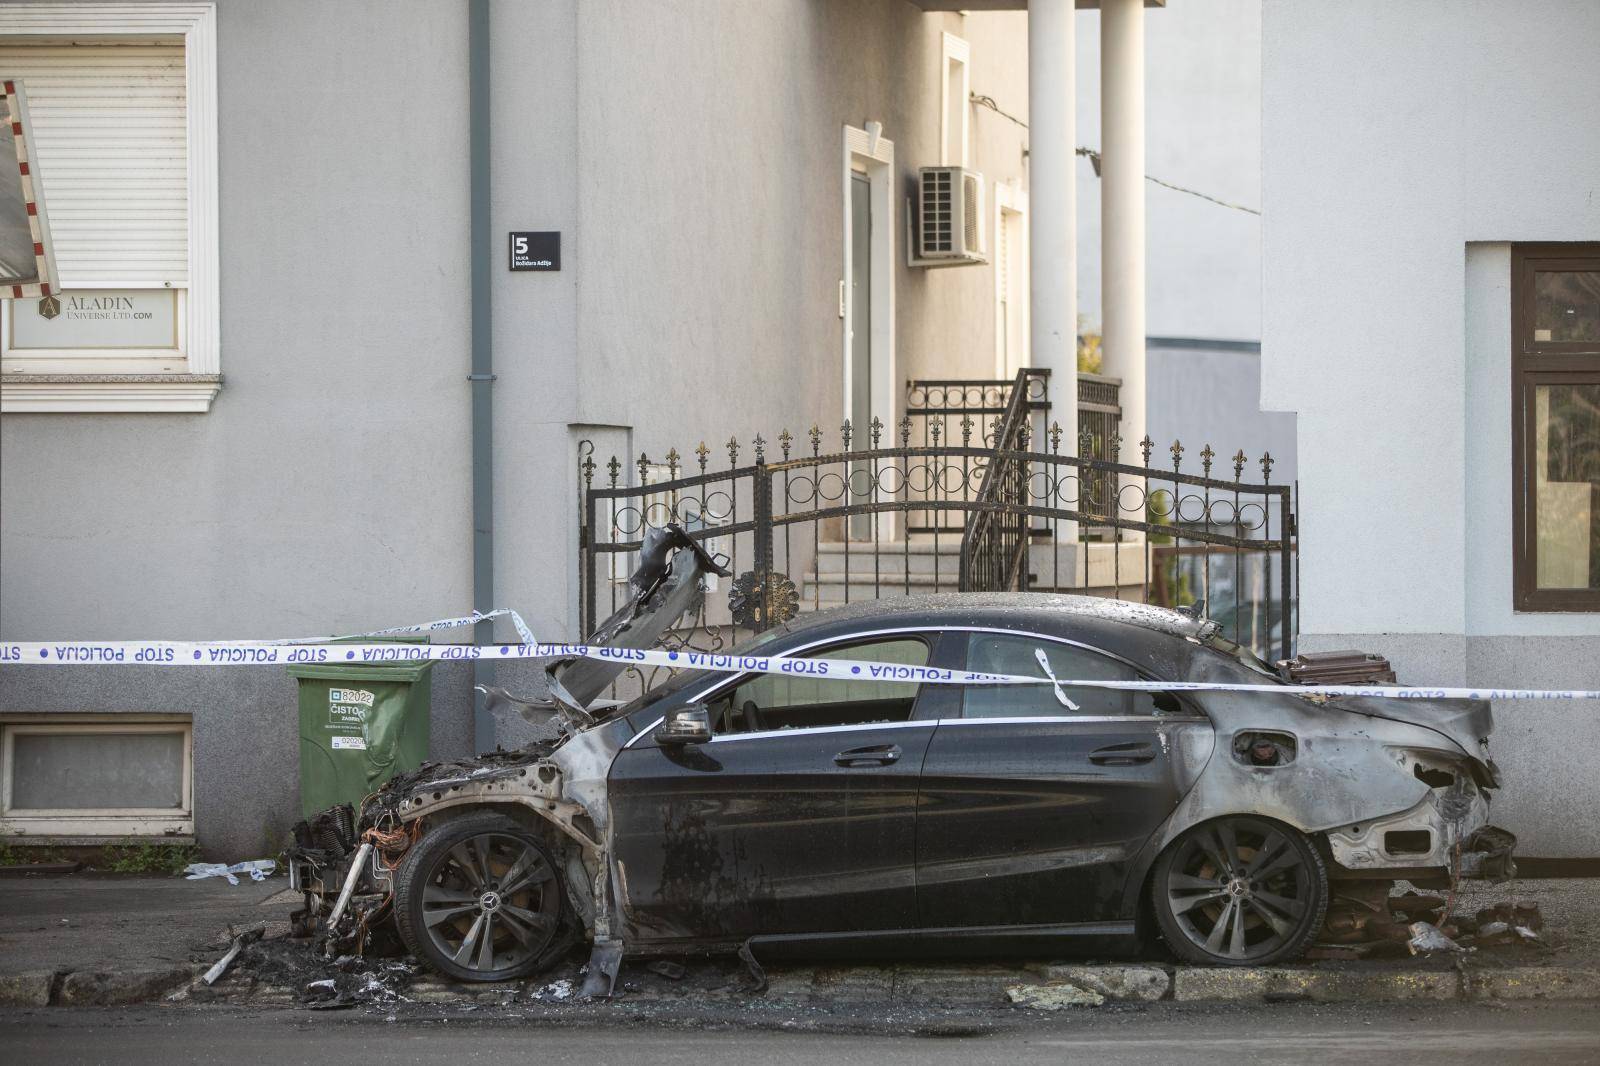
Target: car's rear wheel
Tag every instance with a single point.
(1239, 891)
(480, 898)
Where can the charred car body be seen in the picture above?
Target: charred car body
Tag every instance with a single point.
(761, 811)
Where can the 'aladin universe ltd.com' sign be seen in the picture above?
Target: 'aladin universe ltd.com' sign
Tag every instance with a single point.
(98, 318)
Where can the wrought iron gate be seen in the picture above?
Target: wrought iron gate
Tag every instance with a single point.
(1030, 517)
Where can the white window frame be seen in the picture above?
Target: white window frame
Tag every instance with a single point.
(867, 151)
(92, 821)
(192, 386)
(1009, 199)
(954, 88)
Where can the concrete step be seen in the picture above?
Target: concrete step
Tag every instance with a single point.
(828, 590)
(897, 557)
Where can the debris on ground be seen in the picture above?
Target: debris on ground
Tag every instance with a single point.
(1374, 919)
(258, 869)
(558, 991)
(672, 971)
(1053, 997)
(319, 982)
(1427, 939)
(249, 936)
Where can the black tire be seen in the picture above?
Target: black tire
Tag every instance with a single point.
(1239, 891)
(480, 898)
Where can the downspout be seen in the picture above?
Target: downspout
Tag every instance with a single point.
(482, 376)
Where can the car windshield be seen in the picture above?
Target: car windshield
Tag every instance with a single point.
(1239, 654)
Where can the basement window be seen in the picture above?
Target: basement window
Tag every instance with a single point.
(101, 778)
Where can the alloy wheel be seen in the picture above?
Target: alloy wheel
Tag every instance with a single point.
(490, 903)
(1240, 890)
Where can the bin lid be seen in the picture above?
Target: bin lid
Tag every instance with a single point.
(370, 670)
(394, 671)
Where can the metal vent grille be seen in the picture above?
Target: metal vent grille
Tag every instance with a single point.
(938, 212)
(970, 211)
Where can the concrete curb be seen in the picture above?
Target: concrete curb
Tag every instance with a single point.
(1042, 987)
(84, 988)
(1056, 986)
(27, 989)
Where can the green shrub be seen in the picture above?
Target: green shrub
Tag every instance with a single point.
(151, 858)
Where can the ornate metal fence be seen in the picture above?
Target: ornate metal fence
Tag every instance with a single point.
(804, 527)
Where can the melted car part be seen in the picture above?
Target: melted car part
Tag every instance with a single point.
(669, 583)
(537, 713)
(1337, 668)
(604, 963)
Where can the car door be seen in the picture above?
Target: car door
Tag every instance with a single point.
(1032, 803)
(797, 818)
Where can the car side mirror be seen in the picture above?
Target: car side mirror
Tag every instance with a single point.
(690, 725)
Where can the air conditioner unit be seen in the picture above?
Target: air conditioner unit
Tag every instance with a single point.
(949, 218)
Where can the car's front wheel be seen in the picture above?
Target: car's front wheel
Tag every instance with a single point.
(480, 899)
(1239, 891)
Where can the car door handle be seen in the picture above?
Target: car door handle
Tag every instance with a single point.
(876, 755)
(1122, 755)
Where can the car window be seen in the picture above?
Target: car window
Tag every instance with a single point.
(798, 701)
(1000, 654)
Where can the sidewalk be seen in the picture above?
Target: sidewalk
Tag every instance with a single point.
(88, 939)
(114, 938)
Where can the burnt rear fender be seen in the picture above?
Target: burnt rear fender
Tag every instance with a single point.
(1344, 772)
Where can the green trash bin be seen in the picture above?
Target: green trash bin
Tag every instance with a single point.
(360, 725)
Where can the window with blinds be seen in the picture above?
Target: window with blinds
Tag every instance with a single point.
(111, 125)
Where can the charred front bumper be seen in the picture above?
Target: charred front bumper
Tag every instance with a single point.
(346, 882)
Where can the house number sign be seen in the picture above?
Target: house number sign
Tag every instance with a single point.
(535, 250)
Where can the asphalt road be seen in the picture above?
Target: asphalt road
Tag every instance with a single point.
(1459, 1035)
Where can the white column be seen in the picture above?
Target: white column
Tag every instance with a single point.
(1053, 212)
(1122, 269)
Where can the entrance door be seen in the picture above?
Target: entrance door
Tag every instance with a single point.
(860, 343)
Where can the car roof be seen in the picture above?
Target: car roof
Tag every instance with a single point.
(1138, 632)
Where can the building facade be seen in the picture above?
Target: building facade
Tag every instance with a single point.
(284, 397)
(257, 420)
(1432, 316)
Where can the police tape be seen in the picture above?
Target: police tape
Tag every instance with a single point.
(320, 650)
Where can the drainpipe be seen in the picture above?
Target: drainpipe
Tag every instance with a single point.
(482, 376)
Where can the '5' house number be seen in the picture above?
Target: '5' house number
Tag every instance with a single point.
(535, 250)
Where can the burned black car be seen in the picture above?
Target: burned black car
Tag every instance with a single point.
(875, 814)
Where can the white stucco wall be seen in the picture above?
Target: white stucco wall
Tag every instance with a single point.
(710, 156)
(1394, 137)
(326, 491)
(1404, 147)
(320, 494)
